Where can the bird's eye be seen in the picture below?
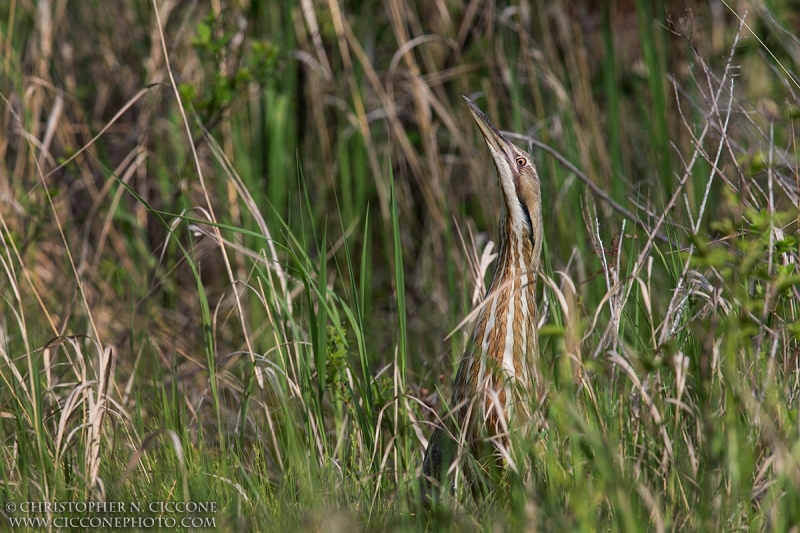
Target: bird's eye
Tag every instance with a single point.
(521, 161)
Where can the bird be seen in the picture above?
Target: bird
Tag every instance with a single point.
(497, 378)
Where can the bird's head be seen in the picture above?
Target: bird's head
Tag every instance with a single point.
(519, 180)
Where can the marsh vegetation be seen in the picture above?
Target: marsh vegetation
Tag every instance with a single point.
(240, 243)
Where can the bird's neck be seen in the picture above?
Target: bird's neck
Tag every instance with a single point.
(505, 335)
(519, 256)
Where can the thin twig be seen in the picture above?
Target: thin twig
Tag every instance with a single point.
(589, 183)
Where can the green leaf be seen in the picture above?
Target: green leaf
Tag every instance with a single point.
(551, 330)
(203, 33)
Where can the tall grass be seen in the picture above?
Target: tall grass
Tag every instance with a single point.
(239, 243)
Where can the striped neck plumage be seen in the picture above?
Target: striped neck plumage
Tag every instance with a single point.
(519, 252)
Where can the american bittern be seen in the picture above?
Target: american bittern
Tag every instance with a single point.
(497, 375)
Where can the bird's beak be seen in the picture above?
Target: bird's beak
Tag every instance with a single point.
(499, 147)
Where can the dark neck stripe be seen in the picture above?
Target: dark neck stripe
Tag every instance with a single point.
(528, 220)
